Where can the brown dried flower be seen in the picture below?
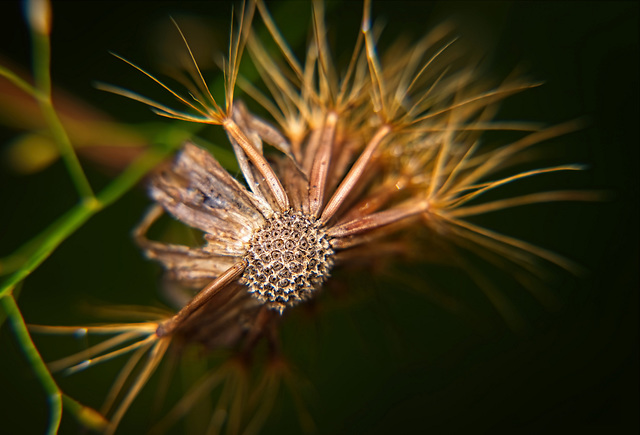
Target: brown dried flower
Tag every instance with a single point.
(365, 155)
(391, 145)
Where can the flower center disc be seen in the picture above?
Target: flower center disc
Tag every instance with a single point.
(288, 259)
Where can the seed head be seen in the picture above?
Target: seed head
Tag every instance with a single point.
(288, 260)
(367, 163)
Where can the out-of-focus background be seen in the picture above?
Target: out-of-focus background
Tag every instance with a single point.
(386, 356)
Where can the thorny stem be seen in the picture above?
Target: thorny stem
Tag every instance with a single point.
(54, 396)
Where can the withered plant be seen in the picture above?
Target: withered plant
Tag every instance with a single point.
(380, 159)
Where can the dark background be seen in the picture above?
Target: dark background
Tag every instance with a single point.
(384, 359)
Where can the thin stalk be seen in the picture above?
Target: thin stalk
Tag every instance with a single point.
(41, 58)
(54, 396)
(68, 223)
(13, 78)
(87, 416)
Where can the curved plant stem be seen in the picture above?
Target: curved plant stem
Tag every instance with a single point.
(23, 85)
(41, 56)
(54, 396)
(68, 223)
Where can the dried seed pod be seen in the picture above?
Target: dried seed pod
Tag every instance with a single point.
(276, 254)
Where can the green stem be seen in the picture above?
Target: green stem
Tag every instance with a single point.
(88, 417)
(68, 223)
(41, 61)
(132, 175)
(22, 84)
(50, 387)
(42, 76)
(57, 232)
(67, 152)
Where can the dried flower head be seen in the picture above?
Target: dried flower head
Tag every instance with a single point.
(389, 146)
(392, 143)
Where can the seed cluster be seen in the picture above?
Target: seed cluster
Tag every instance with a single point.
(287, 260)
